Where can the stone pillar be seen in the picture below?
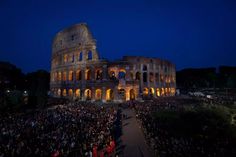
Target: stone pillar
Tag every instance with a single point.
(93, 92)
(104, 72)
(103, 94)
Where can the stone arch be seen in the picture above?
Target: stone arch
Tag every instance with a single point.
(109, 95)
(88, 94)
(98, 94)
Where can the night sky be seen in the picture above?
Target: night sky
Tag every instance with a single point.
(199, 33)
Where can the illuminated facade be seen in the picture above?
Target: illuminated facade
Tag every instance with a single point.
(77, 72)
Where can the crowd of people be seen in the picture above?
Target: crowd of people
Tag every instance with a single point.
(79, 129)
(166, 144)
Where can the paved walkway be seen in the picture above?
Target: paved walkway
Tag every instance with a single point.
(133, 139)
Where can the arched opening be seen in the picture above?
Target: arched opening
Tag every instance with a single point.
(158, 92)
(137, 76)
(98, 94)
(64, 76)
(122, 94)
(145, 77)
(88, 74)
(71, 75)
(151, 77)
(152, 91)
(78, 93)
(70, 92)
(109, 95)
(121, 74)
(64, 92)
(78, 75)
(112, 75)
(132, 94)
(88, 94)
(98, 74)
(90, 55)
(162, 92)
(59, 92)
(80, 56)
(59, 76)
(65, 58)
(145, 91)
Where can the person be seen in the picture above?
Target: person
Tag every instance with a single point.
(95, 152)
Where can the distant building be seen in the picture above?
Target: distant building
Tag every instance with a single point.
(78, 73)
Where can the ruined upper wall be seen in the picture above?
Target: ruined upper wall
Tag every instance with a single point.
(76, 36)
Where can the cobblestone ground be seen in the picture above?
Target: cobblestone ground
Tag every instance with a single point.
(132, 137)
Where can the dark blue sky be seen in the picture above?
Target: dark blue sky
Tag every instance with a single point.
(198, 33)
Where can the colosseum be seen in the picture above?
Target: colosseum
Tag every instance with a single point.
(78, 73)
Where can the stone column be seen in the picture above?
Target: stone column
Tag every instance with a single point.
(103, 94)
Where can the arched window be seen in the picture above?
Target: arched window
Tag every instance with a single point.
(152, 91)
(88, 74)
(145, 77)
(90, 55)
(80, 56)
(98, 74)
(109, 95)
(88, 94)
(98, 94)
(64, 92)
(59, 92)
(70, 92)
(65, 58)
(112, 75)
(78, 75)
(121, 74)
(137, 76)
(158, 92)
(59, 76)
(64, 76)
(71, 75)
(132, 94)
(145, 91)
(78, 93)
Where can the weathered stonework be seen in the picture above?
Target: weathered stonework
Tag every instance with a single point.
(78, 73)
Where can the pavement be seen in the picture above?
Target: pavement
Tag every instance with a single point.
(133, 140)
